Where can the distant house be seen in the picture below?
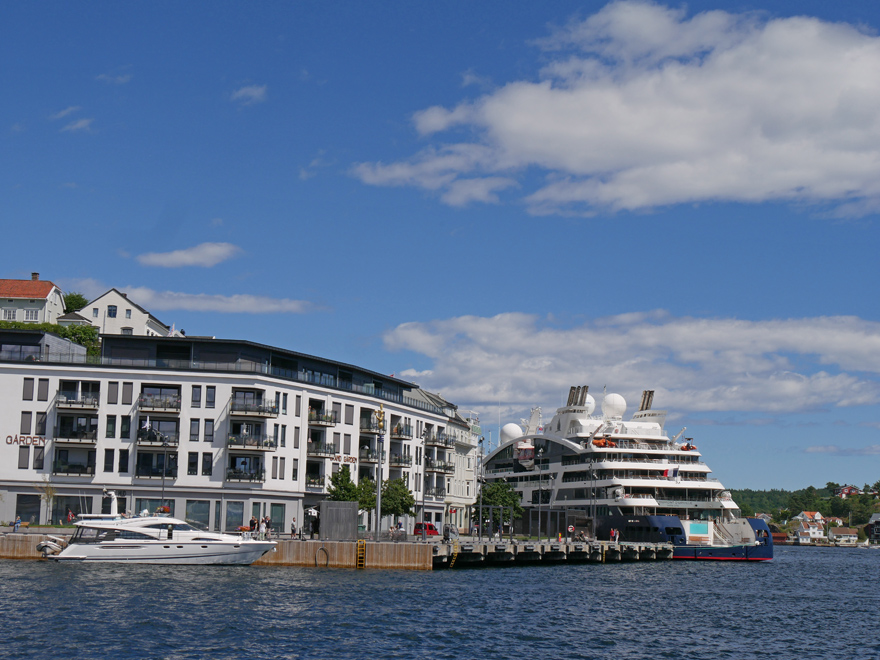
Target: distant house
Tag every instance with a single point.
(834, 522)
(843, 536)
(31, 301)
(766, 517)
(808, 516)
(809, 533)
(113, 313)
(872, 529)
(846, 491)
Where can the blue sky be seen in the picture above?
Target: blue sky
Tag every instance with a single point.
(496, 200)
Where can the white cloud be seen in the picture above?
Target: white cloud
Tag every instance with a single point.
(114, 80)
(204, 302)
(63, 113)
(640, 106)
(205, 255)
(834, 450)
(78, 125)
(696, 365)
(250, 94)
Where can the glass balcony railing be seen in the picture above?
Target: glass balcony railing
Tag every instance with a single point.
(167, 403)
(253, 407)
(236, 474)
(261, 442)
(321, 418)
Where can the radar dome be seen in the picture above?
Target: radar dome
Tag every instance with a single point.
(590, 404)
(510, 431)
(613, 406)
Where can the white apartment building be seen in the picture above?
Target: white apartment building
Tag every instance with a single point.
(30, 301)
(217, 430)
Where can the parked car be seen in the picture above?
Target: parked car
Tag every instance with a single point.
(430, 530)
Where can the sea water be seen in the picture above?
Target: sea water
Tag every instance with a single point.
(806, 603)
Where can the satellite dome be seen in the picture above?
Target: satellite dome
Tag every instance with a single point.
(613, 406)
(510, 431)
(590, 404)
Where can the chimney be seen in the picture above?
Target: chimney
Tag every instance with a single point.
(35, 276)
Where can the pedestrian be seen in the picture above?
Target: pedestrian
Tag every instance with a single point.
(253, 524)
(17, 523)
(268, 528)
(263, 529)
(293, 528)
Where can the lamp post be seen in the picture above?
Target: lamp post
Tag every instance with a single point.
(164, 464)
(380, 419)
(480, 478)
(540, 490)
(424, 480)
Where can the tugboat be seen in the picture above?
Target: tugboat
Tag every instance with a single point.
(625, 475)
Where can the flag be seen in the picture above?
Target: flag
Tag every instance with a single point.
(666, 473)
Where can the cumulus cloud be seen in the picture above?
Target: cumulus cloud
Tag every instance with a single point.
(205, 255)
(695, 365)
(250, 94)
(640, 106)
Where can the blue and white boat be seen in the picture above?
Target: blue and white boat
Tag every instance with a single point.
(623, 480)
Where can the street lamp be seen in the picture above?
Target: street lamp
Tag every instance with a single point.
(380, 419)
(424, 481)
(480, 528)
(540, 489)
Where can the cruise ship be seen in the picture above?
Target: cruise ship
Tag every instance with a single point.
(622, 479)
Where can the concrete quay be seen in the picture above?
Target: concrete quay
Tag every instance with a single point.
(487, 553)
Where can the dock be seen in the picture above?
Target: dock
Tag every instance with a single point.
(488, 553)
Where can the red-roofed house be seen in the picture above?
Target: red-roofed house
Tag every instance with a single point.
(30, 301)
(846, 491)
(808, 516)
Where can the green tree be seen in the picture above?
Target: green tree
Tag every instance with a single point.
(73, 302)
(342, 488)
(366, 494)
(84, 335)
(397, 500)
(501, 493)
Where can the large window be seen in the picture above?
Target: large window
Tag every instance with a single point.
(198, 512)
(207, 464)
(111, 311)
(39, 457)
(109, 455)
(210, 395)
(209, 430)
(123, 461)
(234, 516)
(196, 396)
(24, 454)
(32, 315)
(194, 430)
(9, 313)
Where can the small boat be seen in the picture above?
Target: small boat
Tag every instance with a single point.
(150, 539)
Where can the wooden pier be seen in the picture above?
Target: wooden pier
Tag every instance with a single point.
(486, 553)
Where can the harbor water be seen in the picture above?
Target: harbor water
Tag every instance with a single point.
(807, 602)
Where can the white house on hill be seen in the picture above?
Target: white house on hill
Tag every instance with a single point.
(30, 301)
(113, 313)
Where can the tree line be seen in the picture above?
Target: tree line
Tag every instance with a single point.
(784, 504)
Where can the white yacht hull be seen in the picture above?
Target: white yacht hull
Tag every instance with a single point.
(164, 552)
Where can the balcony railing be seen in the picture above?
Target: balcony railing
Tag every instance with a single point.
(322, 449)
(155, 472)
(369, 456)
(153, 438)
(253, 476)
(71, 400)
(159, 402)
(439, 440)
(252, 442)
(435, 492)
(321, 418)
(369, 427)
(401, 432)
(314, 482)
(76, 435)
(439, 466)
(73, 469)
(400, 460)
(248, 408)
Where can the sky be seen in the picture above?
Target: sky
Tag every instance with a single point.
(494, 200)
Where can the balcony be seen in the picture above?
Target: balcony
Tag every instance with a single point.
(158, 403)
(435, 492)
(368, 456)
(152, 438)
(70, 401)
(439, 440)
(155, 472)
(320, 450)
(439, 466)
(321, 418)
(76, 436)
(369, 428)
(245, 476)
(314, 482)
(401, 432)
(400, 460)
(252, 408)
(73, 469)
(251, 442)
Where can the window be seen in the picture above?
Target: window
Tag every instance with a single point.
(274, 467)
(336, 437)
(346, 446)
(127, 331)
(125, 427)
(109, 455)
(24, 454)
(39, 457)
(207, 464)
(197, 396)
(349, 414)
(94, 312)
(281, 468)
(293, 474)
(43, 389)
(31, 315)
(40, 427)
(210, 393)
(284, 404)
(277, 401)
(194, 431)
(275, 435)
(27, 393)
(123, 461)
(296, 437)
(25, 424)
(111, 311)
(111, 426)
(112, 392)
(209, 430)
(9, 315)
(192, 466)
(284, 435)
(298, 404)
(127, 393)
(128, 313)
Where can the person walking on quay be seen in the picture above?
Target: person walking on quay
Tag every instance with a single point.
(293, 528)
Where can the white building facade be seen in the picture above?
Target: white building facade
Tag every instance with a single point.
(217, 430)
(30, 301)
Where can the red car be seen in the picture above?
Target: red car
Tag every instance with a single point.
(430, 530)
